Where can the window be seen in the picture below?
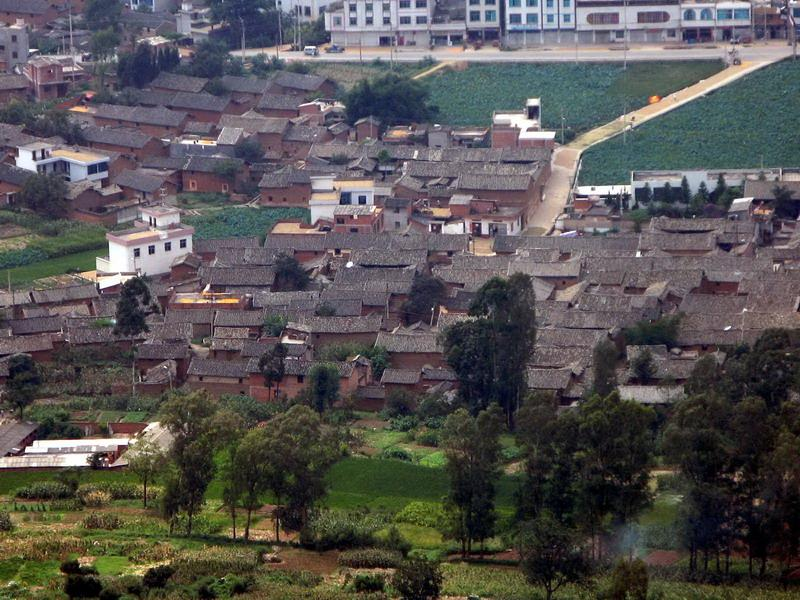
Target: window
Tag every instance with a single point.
(225, 188)
(92, 169)
(567, 18)
(340, 220)
(397, 224)
(151, 250)
(531, 3)
(421, 3)
(566, 3)
(368, 7)
(363, 199)
(549, 4)
(307, 11)
(192, 185)
(352, 7)
(490, 15)
(337, 21)
(741, 13)
(346, 197)
(421, 20)
(13, 39)
(474, 2)
(405, 20)
(474, 15)
(183, 243)
(102, 167)
(705, 15)
(353, 21)
(690, 15)
(489, 2)
(724, 14)
(602, 18)
(385, 7)
(532, 19)
(652, 16)
(515, 18)
(167, 246)
(14, 54)
(137, 252)
(551, 18)
(405, 3)
(387, 20)
(369, 20)
(514, 3)
(300, 378)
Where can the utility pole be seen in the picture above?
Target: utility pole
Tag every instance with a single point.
(625, 36)
(241, 20)
(280, 33)
(790, 23)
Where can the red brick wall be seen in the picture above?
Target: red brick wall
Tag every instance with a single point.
(415, 361)
(295, 195)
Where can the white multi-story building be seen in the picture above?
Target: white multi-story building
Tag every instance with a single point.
(709, 21)
(151, 247)
(14, 45)
(483, 19)
(75, 164)
(539, 21)
(328, 192)
(603, 21)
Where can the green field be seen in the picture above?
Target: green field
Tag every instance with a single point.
(80, 261)
(588, 94)
(241, 221)
(749, 123)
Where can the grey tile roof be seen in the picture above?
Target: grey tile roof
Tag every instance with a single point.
(65, 294)
(26, 343)
(209, 367)
(28, 7)
(400, 376)
(238, 276)
(279, 102)
(140, 114)
(140, 180)
(119, 136)
(299, 81)
(199, 101)
(209, 164)
(13, 82)
(245, 85)
(409, 342)
(203, 246)
(368, 324)
(255, 123)
(239, 318)
(11, 434)
(162, 351)
(14, 175)
(36, 325)
(179, 83)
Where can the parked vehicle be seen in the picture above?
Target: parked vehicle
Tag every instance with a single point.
(334, 49)
(311, 51)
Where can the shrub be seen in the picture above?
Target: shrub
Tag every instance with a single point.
(5, 521)
(192, 565)
(101, 521)
(670, 482)
(82, 586)
(368, 582)
(399, 403)
(404, 423)
(397, 454)
(418, 579)
(429, 437)
(334, 529)
(422, 514)
(95, 499)
(157, 577)
(303, 579)
(69, 505)
(370, 558)
(628, 581)
(395, 541)
(45, 490)
(150, 553)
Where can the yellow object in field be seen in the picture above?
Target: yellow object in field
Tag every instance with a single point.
(653, 99)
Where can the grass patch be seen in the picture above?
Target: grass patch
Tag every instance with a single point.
(347, 74)
(80, 261)
(710, 133)
(32, 573)
(111, 565)
(422, 538)
(588, 94)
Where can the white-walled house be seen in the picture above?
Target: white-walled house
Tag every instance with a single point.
(328, 192)
(151, 247)
(75, 164)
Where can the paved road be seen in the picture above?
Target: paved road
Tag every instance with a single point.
(756, 52)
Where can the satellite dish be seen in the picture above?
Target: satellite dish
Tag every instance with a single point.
(728, 328)
(349, 264)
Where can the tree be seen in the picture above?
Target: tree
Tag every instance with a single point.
(145, 460)
(227, 169)
(426, 293)
(785, 206)
(686, 191)
(132, 308)
(289, 274)
(101, 14)
(629, 581)
(643, 367)
(272, 366)
(139, 68)
(550, 554)
(198, 429)
(719, 191)
(323, 386)
(704, 376)
(604, 363)
(418, 579)
(668, 197)
(472, 447)
(490, 354)
(104, 44)
(46, 195)
(300, 451)
(325, 310)
(249, 150)
(209, 59)
(23, 382)
(260, 19)
(248, 473)
(647, 194)
(391, 98)
(274, 325)
(652, 333)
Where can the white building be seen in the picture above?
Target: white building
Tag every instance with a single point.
(75, 164)
(327, 193)
(603, 21)
(483, 19)
(14, 45)
(708, 21)
(539, 21)
(151, 247)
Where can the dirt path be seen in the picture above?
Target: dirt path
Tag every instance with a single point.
(567, 158)
(437, 67)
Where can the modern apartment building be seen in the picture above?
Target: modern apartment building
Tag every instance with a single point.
(532, 22)
(13, 46)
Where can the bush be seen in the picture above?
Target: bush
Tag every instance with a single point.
(81, 586)
(429, 437)
(369, 582)
(394, 540)
(422, 514)
(670, 482)
(628, 581)
(334, 529)
(418, 579)
(45, 490)
(5, 521)
(101, 521)
(397, 454)
(370, 558)
(399, 403)
(405, 423)
(95, 499)
(192, 565)
(157, 577)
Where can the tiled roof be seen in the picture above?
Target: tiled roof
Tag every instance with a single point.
(209, 367)
(400, 376)
(245, 85)
(140, 114)
(427, 343)
(368, 324)
(65, 294)
(179, 83)
(163, 351)
(118, 136)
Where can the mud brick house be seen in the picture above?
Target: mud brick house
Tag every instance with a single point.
(354, 374)
(152, 354)
(155, 121)
(234, 279)
(39, 346)
(321, 331)
(146, 184)
(411, 350)
(202, 107)
(73, 296)
(268, 130)
(219, 377)
(199, 319)
(125, 140)
(300, 84)
(35, 13)
(173, 82)
(207, 248)
(279, 105)
(249, 321)
(11, 181)
(287, 187)
(13, 87)
(208, 174)
(247, 89)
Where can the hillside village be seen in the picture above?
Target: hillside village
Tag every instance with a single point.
(269, 330)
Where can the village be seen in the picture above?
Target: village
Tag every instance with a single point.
(279, 322)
